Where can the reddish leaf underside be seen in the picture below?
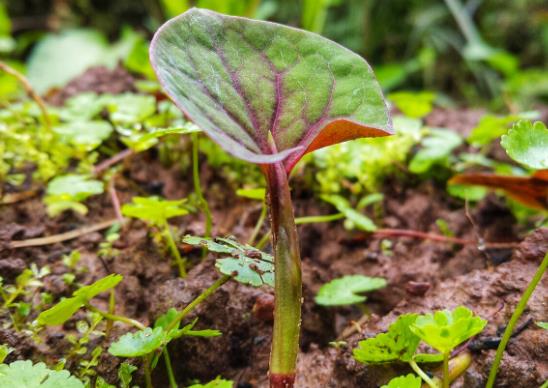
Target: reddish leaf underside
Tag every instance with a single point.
(531, 191)
(266, 92)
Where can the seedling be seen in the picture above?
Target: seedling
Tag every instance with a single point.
(147, 341)
(156, 212)
(347, 290)
(443, 330)
(268, 94)
(409, 381)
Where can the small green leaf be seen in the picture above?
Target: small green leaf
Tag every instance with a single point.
(139, 343)
(345, 290)
(154, 210)
(467, 192)
(142, 141)
(75, 187)
(409, 381)
(87, 134)
(356, 219)
(66, 308)
(23, 374)
(527, 143)
(542, 325)
(217, 383)
(246, 264)
(413, 104)
(445, 330)
(101, 285)
(258, 194)
(4, 351)
(489, 128)
(124, 374)
(128, 109)
(399, 343)
(436, 149)
(165, 319)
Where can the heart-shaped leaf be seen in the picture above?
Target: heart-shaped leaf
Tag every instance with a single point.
(266, 92)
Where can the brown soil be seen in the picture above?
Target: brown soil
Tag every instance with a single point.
(422, 275)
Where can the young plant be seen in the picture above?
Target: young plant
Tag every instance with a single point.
(67, 192)
(150, 342)
(268, 94)
(443, 330)
(156, 212)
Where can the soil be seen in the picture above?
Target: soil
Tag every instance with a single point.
(422, 275)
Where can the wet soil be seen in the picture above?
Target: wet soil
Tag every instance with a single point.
(422, 276)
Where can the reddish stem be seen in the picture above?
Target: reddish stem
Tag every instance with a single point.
(105, 164)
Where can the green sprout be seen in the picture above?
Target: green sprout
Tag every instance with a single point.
(443, 330)
(67, 192)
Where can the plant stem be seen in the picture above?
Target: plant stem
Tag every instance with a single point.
(317, 219)
(514, 319)
(258, 225)
(200, 298)
(111, 310)
(422, 374)
(119, 318)
(30, 91)
(174, 250)
(170, 375)
(146, 365)
(197, 185)
(446, 370)
(288, 283)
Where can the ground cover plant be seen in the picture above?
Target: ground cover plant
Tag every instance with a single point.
(165, 223)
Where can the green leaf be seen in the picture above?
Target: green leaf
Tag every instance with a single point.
(23, 374)
(143, 141)
(258, 194)
(98, 287)
(399, 343)
(66, 308)
(357, 219)
(489, 128)
(409, 381)
(4, 351)
(154, 210)
(217, 383)
(75, 187)
(129, 108)
(245, 263)
(467, 192)
(527, 143)
(445, 330)
(263, 91)
(124, 374)
(542, 325)
(413, 104)
(87, 134)
(436, 149)
(345, 290)
(139, 343)
(187, 331)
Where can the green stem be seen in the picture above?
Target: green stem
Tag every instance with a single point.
(318, 219)
(446, 370)
(263, 241)
(514, 319)
(118, 318)
(148, 376)
(422, 374)
(288, 283)
(111, 310)
(200, 298)
(169, 368)
(197, 186)
(174, 250)
(258, 225)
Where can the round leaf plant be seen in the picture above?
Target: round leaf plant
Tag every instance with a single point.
(268, 94)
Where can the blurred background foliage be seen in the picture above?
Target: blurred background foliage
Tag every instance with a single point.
(488, 52)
